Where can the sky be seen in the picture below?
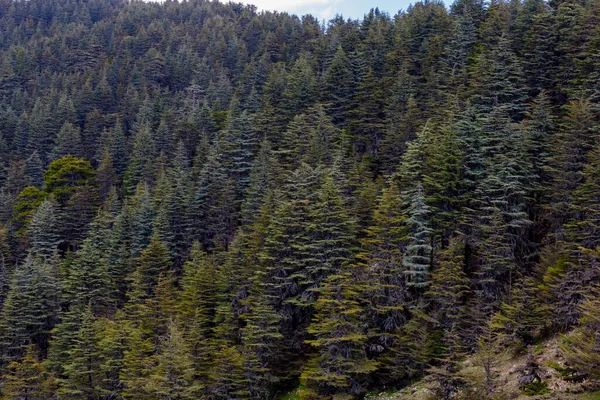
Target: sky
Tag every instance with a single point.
(327, 9)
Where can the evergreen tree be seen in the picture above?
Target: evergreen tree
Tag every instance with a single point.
(26, 379)
(261, 180)
(172, 377)
(43, 232)
(29, 311)
(34, 171)
(339, 86)
(341, 364)
(68, 142)
(197, 309)
(580, 348)
(82, 375)
(418, 258)
(140, 167)
(573, 141)
(385, 245)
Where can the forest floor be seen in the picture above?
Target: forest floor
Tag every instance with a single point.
(547, 356)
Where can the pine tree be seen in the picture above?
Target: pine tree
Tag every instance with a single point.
(82, 375)
(239, 143)
(43, 232)
(197, 308)
(34, 170)
(172, 377)
(443, 179)
(41, 131)
(153, 261)
(227, 375)
(262, 179)
(341, 363)
(26, 379)
(521, 320)
(502, 84)
(137, 364)
(260, 340)
(539, 126)
(106, 177)
(140, 166)
(339, 86)
(582, 229)
(68, 142)
(110, 344)
(300, 89)
(385, 244)
(119, 149)
(573, 141)
(448, 290)
(580, 348)
(29, 309)
(87, 281)
(417, 261)
(311, 138)
(212, 211)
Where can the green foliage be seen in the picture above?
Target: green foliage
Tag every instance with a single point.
(199, 200)
(29, 309)
(580, 348)
(27, 379)
(65, 175)
(535, 389)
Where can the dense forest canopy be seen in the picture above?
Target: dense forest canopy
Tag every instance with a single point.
(200, 201)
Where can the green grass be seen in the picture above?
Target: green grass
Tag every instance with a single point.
(590, 396)
(535, 388)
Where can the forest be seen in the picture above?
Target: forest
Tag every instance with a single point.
(203, 201)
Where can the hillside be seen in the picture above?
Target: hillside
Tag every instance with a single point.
(203, 201)
(551, 369)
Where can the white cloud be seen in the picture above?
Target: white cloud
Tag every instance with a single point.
(319, 8)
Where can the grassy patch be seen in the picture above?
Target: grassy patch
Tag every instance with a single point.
(535, 389)
(590, 396)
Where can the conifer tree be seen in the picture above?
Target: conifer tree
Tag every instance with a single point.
(419, 252)
(106, 177)
(211, 209)
(29, 309)
(573, 141)
(140, 167)
(26, 379)
(110, 344)
(384, 245)
(448, 289)
(118, 149)
(582, 229)
(341, 363)
(502, 81)
(197, 308)
(521, 320)
(34, 170)
(227, 375)
(580, 348)
(262, 179)
(173, 374)
(137, 363)
(43, 232)
(68, 142)
(82, 375)
(153, 261)
(300, 89)
(339, 85)
(141, 219)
